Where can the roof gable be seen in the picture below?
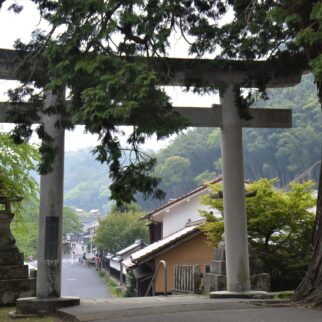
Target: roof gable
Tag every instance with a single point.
(179, 200)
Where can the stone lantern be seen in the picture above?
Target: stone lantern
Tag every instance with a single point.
(7, 241)
(14, 275)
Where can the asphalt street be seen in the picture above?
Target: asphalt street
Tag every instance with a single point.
(82, 281)
(98, 305)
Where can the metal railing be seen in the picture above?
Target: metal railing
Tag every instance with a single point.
(152, 283)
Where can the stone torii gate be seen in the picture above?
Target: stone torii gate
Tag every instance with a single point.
(174, 72)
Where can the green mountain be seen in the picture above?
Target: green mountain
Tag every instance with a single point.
(86, 182)
(288, 154)
(194, 156)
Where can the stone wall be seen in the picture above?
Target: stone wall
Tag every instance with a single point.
(215, 280)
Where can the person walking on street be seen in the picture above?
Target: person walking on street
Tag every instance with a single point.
(84, 259)
(73, 258)
(97, 262)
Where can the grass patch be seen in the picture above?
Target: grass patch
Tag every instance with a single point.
(4, 317)
(112, 285)
(284, 295)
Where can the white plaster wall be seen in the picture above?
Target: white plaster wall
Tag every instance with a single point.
(115, 265)
(178, 216)
(125, 258)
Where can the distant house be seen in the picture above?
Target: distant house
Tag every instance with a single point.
(95, 212)
(116, 267)
(90, 228)
(89, 232)
(175, 238)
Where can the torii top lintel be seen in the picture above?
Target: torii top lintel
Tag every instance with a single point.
(282, 72)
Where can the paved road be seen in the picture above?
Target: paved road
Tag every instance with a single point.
(231, 315)
(187, 309)
(82, 281)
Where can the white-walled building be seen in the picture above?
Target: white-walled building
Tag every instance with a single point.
(116, 266)
(175, 238)
(178, 213)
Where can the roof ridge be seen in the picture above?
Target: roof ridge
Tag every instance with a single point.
(174, 201)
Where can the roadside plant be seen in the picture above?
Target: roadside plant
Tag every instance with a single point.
(280, 226)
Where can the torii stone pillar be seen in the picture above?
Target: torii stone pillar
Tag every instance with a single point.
(51, 211)
(48, 289)
(176, 71)
(226, 117)
(235, 223)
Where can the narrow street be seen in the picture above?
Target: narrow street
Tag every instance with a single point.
(82, 281)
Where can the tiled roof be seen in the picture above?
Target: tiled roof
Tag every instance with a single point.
(128, 263)
(136, 244)
(150, 249)
(187, 195)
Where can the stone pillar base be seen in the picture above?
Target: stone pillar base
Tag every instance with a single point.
(215, 280)
(10, 290)
(14, 279)
(34, 305)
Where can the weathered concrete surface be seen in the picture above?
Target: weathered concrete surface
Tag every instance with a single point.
(135, 307)
(34, 305)
(186, 309)
(230, 315)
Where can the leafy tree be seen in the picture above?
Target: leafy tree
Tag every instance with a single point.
(195, 146)
(284, 153)
(16, 164)
(108, 87)
(204, 177)
(120, 228)
(174, 173)
(25, 231)
(267, 153)
(71, 221)
(260, 29)
(191, 147)
(86, 182)
(279, 228)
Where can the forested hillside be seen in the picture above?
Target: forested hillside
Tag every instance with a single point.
(194, 156)
(86, 182)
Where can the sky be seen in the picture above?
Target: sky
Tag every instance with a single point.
(14, 26)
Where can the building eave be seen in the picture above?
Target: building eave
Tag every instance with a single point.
(179, 200)
(167, 246)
